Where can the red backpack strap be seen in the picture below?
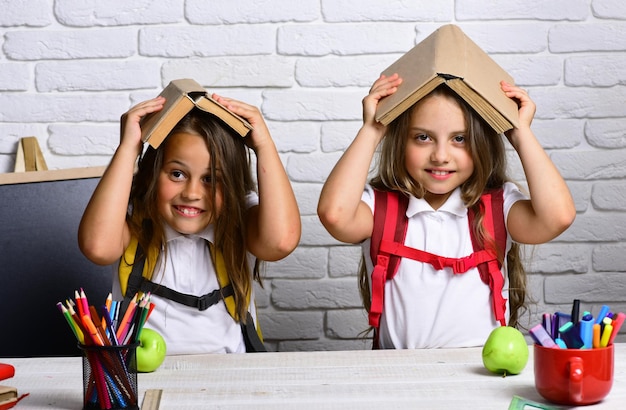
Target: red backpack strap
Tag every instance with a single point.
(390, 224)
(492, 204)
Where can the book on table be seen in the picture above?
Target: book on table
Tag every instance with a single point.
(448, 56)
(8, 395)
(181, 96)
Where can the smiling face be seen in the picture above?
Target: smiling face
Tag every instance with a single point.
(184, 187)
(436, 154)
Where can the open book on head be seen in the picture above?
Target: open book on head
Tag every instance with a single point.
(181, 96)
(449, 57)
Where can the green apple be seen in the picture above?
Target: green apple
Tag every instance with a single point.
(505, 351)
(151, 351)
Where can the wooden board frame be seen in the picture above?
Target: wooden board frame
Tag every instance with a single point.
(40, 261)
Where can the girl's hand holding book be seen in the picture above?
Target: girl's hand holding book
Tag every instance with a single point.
(130, 131)
(259, 136)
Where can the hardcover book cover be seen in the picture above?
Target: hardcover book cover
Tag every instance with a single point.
(181, 96)
(448, 56)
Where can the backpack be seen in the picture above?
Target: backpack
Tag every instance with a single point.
(135, 275)
(387, 248)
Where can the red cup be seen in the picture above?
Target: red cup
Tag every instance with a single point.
(573, 376)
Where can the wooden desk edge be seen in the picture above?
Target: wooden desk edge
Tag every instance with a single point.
(50, 175)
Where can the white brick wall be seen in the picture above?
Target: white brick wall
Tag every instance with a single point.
(70, 68)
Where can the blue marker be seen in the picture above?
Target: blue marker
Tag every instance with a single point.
(586, 331)
(571, 336)
(561, 320)
(560, 343)
(603, 312)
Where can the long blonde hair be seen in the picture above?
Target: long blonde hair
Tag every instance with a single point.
(486, 148)
(228, 154)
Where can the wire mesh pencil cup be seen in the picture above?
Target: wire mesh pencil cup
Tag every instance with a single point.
(110, 377)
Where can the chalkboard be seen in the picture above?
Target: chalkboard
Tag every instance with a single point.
(40, 263)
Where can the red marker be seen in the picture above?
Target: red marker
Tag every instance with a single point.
(618, 320)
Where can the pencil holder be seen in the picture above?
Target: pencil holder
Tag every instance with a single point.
(110, 377)
(574, 377)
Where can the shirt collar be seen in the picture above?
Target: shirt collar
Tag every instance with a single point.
(453, 205)
(207, 234)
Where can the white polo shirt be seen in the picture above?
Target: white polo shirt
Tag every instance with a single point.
(426, 308)
(189, 269)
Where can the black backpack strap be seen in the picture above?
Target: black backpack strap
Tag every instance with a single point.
(135, 278)
(251, 337)
(136, 283)
(200, 302)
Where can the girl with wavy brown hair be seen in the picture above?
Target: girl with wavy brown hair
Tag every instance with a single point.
(441, 157)
(192, 216)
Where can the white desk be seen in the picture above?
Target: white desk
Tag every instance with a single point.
(379, 380)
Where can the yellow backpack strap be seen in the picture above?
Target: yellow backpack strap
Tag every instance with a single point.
(126, 264)
(248, 322)
(252, 334)
(224, 280)
(128, 259)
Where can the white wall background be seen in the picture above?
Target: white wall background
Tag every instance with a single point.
(70, 68)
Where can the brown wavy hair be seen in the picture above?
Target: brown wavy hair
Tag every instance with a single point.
(228, 154)
(487, 150)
